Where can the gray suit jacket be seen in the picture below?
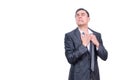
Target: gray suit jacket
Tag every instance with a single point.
(79, 57)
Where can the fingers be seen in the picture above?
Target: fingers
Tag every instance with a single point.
(94, 40)
(85, 39)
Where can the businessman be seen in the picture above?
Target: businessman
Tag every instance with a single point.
(82, 48)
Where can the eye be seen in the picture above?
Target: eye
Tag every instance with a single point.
(83, 14)
(77, 14)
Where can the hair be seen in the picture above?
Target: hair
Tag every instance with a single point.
(83, 10)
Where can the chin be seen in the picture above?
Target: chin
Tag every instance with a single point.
(80, 24)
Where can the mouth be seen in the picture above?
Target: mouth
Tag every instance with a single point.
(80, 20)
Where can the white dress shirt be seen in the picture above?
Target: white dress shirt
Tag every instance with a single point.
(90, 32)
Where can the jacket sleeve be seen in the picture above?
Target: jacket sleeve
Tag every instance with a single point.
(102, 52)
(72, 53)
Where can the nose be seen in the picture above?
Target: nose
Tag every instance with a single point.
(79, 16)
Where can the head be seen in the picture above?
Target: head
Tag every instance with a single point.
(82, 17)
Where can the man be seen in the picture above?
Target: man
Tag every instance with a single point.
(82, 47)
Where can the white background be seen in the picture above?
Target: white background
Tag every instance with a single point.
(32, 37)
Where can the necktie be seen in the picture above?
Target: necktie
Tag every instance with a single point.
(92, 55)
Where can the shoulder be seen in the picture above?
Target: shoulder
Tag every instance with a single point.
(72, 32)
(95, 32)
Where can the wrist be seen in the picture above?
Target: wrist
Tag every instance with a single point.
(85, 44)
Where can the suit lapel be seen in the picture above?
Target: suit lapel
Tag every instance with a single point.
(77, 33)
(93, 32)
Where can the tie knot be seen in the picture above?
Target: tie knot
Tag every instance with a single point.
(83, 33)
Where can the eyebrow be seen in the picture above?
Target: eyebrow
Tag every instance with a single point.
(81, 13)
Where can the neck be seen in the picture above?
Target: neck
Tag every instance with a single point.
(84, 28)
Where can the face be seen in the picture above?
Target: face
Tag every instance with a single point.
(82, 18)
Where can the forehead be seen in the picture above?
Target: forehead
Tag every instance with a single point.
(81, 12)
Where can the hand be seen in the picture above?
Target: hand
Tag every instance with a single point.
(94, 40)
(85, 39)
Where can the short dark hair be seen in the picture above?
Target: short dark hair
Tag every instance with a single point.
(83, 10)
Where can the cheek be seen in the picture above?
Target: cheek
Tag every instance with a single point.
(87, 20)
(77, 20)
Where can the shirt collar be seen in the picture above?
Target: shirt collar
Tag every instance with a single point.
(90, 32)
